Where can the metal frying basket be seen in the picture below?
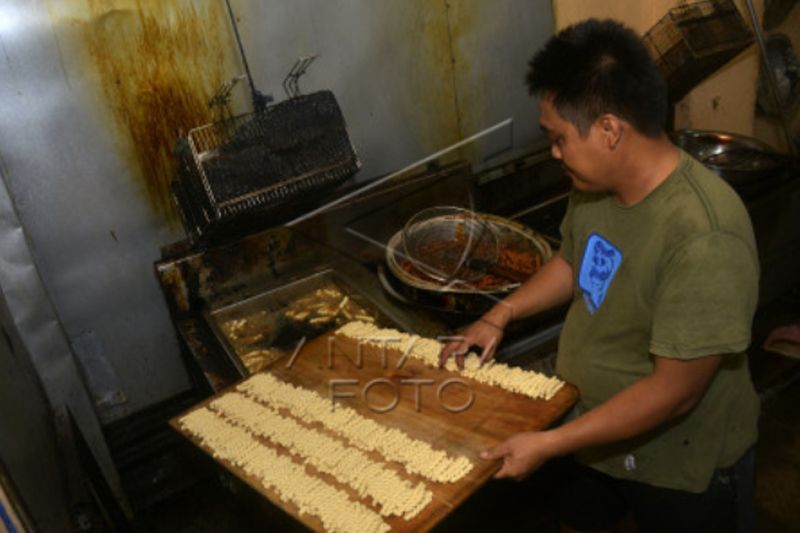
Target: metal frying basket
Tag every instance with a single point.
(693, 40)
(440, 240)
(258, 160)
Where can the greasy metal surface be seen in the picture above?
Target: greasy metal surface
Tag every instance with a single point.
(492, 43)
(280, 332)
(231, 272)
(32, 322)
(215, 370)
(412, 76)
(158, 64)
(93, 96)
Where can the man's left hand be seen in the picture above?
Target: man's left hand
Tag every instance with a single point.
(522, 454)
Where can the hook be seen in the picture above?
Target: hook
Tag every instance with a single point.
(291, 83)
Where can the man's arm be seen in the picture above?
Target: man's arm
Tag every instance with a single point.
(672, 390)
(549, 287)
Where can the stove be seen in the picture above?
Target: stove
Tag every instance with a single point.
(223, 295)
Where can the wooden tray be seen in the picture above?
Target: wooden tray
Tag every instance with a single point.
(493, 416)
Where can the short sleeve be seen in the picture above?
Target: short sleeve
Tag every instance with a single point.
(567, 242)
(706, 298)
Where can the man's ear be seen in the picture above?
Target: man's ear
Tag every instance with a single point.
(611, 128)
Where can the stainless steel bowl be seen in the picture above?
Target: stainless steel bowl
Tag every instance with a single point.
(738, 159)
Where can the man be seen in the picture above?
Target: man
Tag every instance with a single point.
(659, 262)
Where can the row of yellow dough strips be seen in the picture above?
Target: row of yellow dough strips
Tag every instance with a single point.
(231, 423)
(514, 379)
(289, 480)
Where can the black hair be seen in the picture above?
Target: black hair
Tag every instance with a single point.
(600, 66)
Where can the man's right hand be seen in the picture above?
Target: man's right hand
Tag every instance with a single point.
(549, 287)
(486, 333)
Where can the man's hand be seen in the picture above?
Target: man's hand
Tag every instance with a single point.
(484, 333)
(671, 391)
(521, 454)
(549, 287)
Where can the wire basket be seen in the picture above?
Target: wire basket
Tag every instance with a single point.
(692, 41)
(259, 160)
(439, 241)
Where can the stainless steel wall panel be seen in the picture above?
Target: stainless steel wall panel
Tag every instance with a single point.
(80, 181)
(33, 462)
(492, 44)
(412, 76)
(32, 321)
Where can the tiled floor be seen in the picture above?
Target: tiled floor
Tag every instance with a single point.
(511, 506)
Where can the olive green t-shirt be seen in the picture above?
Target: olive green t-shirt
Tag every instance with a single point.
(675, 275)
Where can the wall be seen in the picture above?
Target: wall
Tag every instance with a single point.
(725, 101)
(94, 92)
(412, 76)
(38, 343)
(27, 436)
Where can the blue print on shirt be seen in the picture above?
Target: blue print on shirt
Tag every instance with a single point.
(601, 259)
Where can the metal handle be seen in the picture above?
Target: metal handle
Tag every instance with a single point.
(291, 83)
(260, 100)
(768, 75)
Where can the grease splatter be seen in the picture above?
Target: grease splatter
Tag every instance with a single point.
(158, 64)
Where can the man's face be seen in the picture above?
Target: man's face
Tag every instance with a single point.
(585, 158)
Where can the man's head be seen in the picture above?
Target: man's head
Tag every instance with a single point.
(596, 80)
(598, 67)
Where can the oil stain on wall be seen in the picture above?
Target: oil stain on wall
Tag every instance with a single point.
(157, 65)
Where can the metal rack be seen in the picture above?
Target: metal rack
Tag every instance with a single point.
(239, 165)
(259, 160)
(692, 41)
